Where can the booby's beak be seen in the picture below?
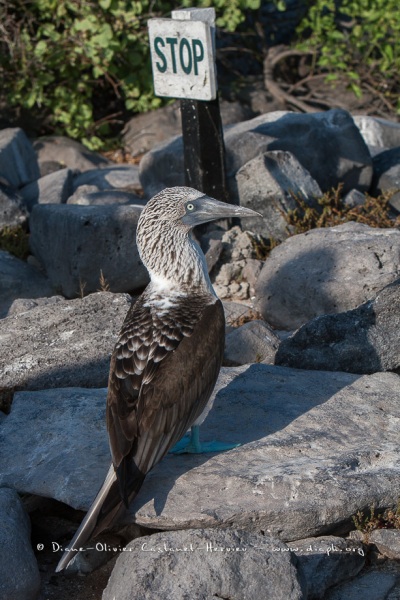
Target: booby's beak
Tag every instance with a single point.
(205, 209)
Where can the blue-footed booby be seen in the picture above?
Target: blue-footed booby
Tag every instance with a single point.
(168, 355)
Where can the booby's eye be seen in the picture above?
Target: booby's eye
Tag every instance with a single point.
(190, 206)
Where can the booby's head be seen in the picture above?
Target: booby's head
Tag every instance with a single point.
(164, 224)
(185, 208)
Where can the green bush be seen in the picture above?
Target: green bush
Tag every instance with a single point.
(63, 58)
(77, 64)
(357, 39)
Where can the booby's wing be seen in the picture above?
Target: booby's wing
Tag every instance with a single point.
(163, 371)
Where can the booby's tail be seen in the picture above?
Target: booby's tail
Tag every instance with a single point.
(105, 510)
(92, 520)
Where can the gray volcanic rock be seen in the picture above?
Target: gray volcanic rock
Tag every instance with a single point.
(162, 167)
(90, 195)
(252, 342)
(269, 185)
(13, 213)
(146, 130)
(375, 585)
(387, 175)
(236, 313)
(205, 564)
(327, 561)
(63, 344)
(363, 340)
(316, 446)
(56, 458)
(328, 145)
(236, 272)
(19, 573)
(60, 152)
(379, 134)
(21, 305)
(354, 198)
(18, 163)
(80, 245)
(324, 271)
(54, 188)
(387, 541)
(123, 177)
(18, 279)
(309, 459)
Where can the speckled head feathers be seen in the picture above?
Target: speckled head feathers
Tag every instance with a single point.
(162, 234)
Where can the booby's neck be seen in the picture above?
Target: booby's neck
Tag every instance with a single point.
(175, 263)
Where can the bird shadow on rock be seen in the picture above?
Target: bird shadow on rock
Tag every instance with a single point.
(249, 406)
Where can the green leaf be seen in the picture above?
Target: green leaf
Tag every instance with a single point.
(356, 89)
(40, 48)
(388, 52)
(104, 36)
(89, 23)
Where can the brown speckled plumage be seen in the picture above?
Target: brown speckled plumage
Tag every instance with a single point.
(168, 355)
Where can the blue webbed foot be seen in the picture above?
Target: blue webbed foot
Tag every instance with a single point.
(192, 445)
(215, 447)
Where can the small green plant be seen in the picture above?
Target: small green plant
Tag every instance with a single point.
(262, 247)
(332, 211)
(15, 240)
(82, 63)
(357, 40)
(389, 519)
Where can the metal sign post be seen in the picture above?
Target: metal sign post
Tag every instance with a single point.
(183, 62)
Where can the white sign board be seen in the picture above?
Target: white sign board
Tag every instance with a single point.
(182, 59)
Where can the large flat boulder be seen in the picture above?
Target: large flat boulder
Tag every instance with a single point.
(81, 245)
(325, 271)
(67, 343)
(316, 448)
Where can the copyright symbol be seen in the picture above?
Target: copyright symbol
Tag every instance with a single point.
(40, 546)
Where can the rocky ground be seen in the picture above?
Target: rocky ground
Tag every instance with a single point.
(310, 386)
